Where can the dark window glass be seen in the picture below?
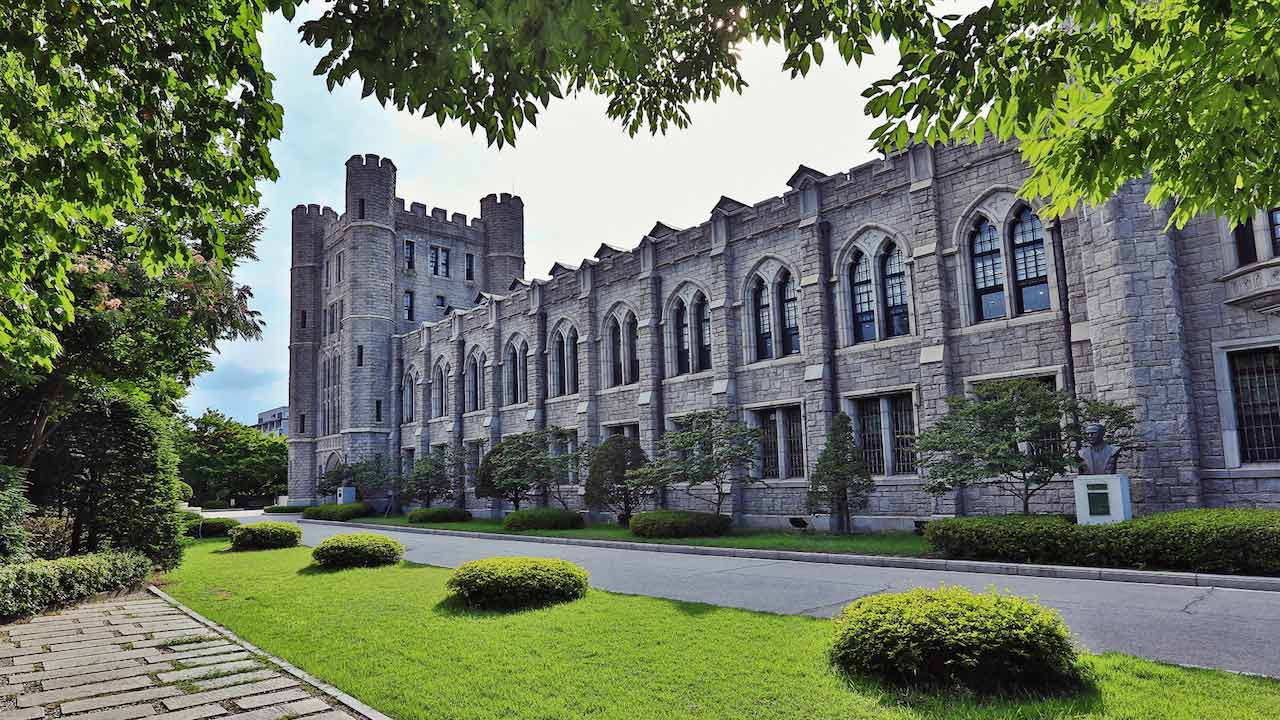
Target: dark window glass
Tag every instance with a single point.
(408, 305)
(408, 254)
(904, 435)
(513, 375)
(790, 315)
(1255, 381)
(444, 262)
(615, 353)
(893, 275)
(439, 301)
(302, 423)
(1274, 217)
(795, 442)
(1246, 249)
(377, 411)
(764, 321)
(340, 267)
(524, 372)
(768, 443)
(471, 266)
(361, 210)
(870, 437)
(702, 311)
(633, 349)
(681, 329)
(558, 384)
(302, 319)
(439, 393)
(1030, 269)
(359, 356)
(572, 349)
(862, 299)
(406, 399)
(988, 272)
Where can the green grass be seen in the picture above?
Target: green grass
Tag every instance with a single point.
(901, 543)
(390, 637)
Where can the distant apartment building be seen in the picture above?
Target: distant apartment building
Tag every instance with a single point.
(274, 421)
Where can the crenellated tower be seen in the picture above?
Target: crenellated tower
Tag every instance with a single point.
(309, 224)
(503, 217)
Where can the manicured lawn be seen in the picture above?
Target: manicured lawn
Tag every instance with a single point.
(903, 544)
(390, 637)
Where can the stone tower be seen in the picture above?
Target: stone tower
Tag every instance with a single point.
(305, 323)
(503, 217)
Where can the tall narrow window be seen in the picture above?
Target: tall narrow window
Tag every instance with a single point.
(795, 441)
(444, 262)
(1246, 248)
(327, 274)
(340, 264)
(1255, 380)
(680, 326)
(302, 319)
(302, 422)
(862, 299)
(763, 320)
(407, 387)
(408, 254)
(434, 255)
(1274, 216)
(572, 349)
(408, 305)
(615, 353)
(524, 372)
(702, 315)
(360, 209)
(988, 272)
(633, 349)
(359, 356)
(1030, 270)
(439, 393)
(471, 266)
(790, 315)
(558, 367)
(870, 437)
(894, 278)
(377, 411)
(904, 435)
(473, 385)
(768, 443)
(513, 376)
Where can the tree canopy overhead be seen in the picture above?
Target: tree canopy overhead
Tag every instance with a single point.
(1098, 93)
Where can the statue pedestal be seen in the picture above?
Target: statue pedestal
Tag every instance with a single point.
(346, 495)
(1102, 499)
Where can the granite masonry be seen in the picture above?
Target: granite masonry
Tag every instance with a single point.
(881, 291)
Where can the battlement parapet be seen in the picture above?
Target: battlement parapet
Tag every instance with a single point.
(370, 160)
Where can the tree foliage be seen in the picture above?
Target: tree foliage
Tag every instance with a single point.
(607, 466)
(1098, 93)
(841, 481)
(435, 478)
(701, 456)
(223, 459)
(110, 108)
(522, 465)
(14, 510)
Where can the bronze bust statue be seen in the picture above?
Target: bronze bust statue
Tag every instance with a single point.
(1099, 456)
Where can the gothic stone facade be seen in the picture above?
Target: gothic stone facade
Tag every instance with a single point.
(881, 291)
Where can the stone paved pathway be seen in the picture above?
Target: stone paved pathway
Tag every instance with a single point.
(143, 658)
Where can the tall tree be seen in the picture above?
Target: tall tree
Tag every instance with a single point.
(841, 481)
(111, 107)
(518, 466)
(1098, 93)
(607, 466)
(435, 478)
(223, 459)
(700, 458)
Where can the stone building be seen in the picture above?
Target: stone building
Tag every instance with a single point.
(881, 290)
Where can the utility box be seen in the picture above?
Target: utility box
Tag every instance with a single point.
(1102, 499)
(346, 494)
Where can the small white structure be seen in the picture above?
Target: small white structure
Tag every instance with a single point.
(346, 494)
(1102, 499)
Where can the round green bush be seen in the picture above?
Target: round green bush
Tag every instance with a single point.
(184, 491)
(510, 583)
(357, 550)
(267, 535)
(953, 638)
(439, 515)
(679, 523)
(543, 519)
(340, 512)
(283, 509)
(211, 526)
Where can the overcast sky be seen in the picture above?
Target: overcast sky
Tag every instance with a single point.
(583, 179)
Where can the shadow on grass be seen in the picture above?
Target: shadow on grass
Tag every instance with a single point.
(318, 569)
(454, 606)
(1084, 699)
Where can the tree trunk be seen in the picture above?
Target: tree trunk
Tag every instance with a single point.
(48, 393)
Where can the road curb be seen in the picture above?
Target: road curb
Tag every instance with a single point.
(1071, 572)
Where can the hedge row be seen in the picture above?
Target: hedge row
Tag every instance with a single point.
(439, 515)
(283, 509)
(337, 511)
(543, 519)
(34, 587)
(1236, 542)
(679, 523)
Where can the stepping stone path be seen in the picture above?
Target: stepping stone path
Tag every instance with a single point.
(144, 658)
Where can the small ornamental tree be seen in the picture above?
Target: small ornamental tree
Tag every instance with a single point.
(434, 478)
(516, 467)
(704, 452)
(842, 480)
(14, 509)
(1013, 435)
(607, 468)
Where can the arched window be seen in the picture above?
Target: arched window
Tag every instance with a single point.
(512, 371)
(407, 388)
(615, 353)
(1030, 270)
(763, 319)
(862, 298)
(893, 277)
(988, 271)
(524, 372)
(633, 349)
(439, 393)
(475, 383)
(702, 334)
(558, 368)
(790, 315)
(680, 326)
(572, 349)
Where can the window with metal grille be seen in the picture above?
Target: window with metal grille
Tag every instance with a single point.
(1246, 248)
(790, 315)
(1274, 220)
(870, 434)
(904, 434)
(795, 442)
(702, 314)
(862, 299)
(1030, 270)
(768, 443)
(764, 321)
(988, 272)
(633, 349)
(681, 330)
(893, 276)
(615, 353)
(1255, 382)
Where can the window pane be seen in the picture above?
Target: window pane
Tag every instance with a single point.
(864, 301)
(870, 438)
(764, 323)
(795, 443)
(1274, 215)
(633, 351)
(991, 305)
(904, 435)
(897, 321)
(615, 354)
(1034, 297)
(1255, 379)
(1246, 249)
(682, 339)
(704, 333)
(790, 316)
(769, 444)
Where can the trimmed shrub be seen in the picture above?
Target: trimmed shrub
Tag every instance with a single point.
(439, 515)
(283, 509)
(679, 523)
(186, 516)
(49, 536)
(185, 491)
(341, 512)
(357, 550)
(215, 505)
(953, 638)
(203, 527)
(1211, 540)
(34, 587)
(543, 519)
(512, 583)
(267, 535)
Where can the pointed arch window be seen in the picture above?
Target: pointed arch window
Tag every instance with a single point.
(763, 319)
(790, 315)
(988, 271)
(475, 383)
(572, 349)
(702, 336)
(407, 388)
(633, 349)
(893, 277)
(862, 298)
(439, 393)
(615, 353)
(524, 372)
(1030, 269)
(512, 369)
(680, 325)
(558, 367)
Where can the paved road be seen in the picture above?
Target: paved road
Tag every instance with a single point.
(1229, 629)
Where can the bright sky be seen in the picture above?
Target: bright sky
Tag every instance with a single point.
(583, 179)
